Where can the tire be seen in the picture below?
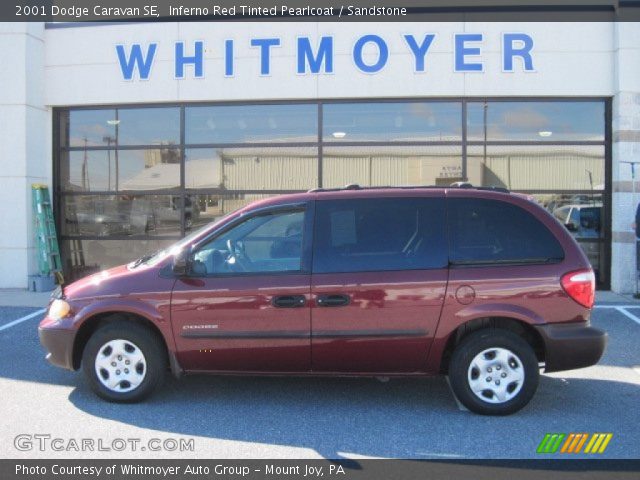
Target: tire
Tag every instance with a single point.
(105, 357)
(501, 366)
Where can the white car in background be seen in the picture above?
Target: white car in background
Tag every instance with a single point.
(584, 221)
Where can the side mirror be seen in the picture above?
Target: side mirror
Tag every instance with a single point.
(181, 264)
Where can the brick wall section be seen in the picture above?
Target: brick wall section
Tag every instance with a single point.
(626, 147)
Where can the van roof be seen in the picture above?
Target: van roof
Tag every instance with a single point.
(457, 185)
(356, 191)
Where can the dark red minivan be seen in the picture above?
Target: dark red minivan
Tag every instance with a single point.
(482, 285)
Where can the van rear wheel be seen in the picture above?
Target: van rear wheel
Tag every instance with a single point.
(494, 372)
(124, 362)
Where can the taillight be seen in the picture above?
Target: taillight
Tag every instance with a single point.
(580, 286)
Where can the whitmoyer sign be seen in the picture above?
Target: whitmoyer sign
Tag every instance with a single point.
(370, 54)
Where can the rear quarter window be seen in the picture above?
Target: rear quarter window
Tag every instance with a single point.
(496, 232)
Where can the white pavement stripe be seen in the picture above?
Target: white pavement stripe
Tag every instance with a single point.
(628, 315)
(617, 306)
(23, 319)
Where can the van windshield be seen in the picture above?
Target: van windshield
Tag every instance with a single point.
(154, 257)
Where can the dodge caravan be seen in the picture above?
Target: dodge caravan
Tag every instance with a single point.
(479, 284)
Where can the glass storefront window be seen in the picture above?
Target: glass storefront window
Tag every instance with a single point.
(84, 257)
(87, 171)
(121, 174)
(125, 126)
(212, 207)
(251, 124)
(390, 122)
(149, 169)
(537, 167)
(124, 215)
(91, 128)
(252, 168)
(535, 121)
(149, 126)
(386, 165)
(202, 168)
(118, 170)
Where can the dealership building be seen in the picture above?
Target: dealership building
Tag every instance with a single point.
(146, 131)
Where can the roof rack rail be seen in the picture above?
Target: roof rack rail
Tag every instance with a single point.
(461, 185)
(493, 189)
(355, 186)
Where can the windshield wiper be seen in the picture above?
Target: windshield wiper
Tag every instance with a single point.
(144, 258)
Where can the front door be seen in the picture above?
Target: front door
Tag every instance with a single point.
(245, 304)
(378, 283)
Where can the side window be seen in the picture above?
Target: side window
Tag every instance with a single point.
(590, 218)
(575, 217)
(561, 214)
(260, 244)
(379, 234)
(491, 231)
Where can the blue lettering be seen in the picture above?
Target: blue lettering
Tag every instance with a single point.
(523, 51)
(461, 51)
(196, 60)
(265, 45)
(136, 60)
(419, 51)
(383, 53)
(324, 55)
(228, 58)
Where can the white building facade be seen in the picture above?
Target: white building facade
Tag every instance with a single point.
(144, 131)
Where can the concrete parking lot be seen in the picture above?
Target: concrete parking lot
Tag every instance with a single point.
(313, 418)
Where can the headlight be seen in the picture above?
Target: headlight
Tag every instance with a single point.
(59, 309)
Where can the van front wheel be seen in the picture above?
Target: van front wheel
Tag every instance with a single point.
(123, 362)
(494, 372)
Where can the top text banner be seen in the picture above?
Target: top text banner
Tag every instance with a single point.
(310, 10)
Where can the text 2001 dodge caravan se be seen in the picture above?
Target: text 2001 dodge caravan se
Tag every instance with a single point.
(482, 285)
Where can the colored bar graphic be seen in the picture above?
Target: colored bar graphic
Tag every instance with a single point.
(550, 443)
(567, 445)
(574, 442)
(598, 443)
(543, 443)
(581, 443)
(556, 445)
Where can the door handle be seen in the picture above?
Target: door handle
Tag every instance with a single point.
(289, 301)
(333, 300)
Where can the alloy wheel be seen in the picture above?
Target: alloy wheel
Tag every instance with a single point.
(120, 365)
(496, 375)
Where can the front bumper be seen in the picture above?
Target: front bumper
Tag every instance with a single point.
(571, 345)
(58, 343)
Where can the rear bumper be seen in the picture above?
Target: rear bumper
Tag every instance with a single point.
(58, 343)
(570, 346)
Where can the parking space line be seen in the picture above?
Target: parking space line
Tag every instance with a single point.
(617, 306)
(23, 319)
(628, 315)
(461, 407)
